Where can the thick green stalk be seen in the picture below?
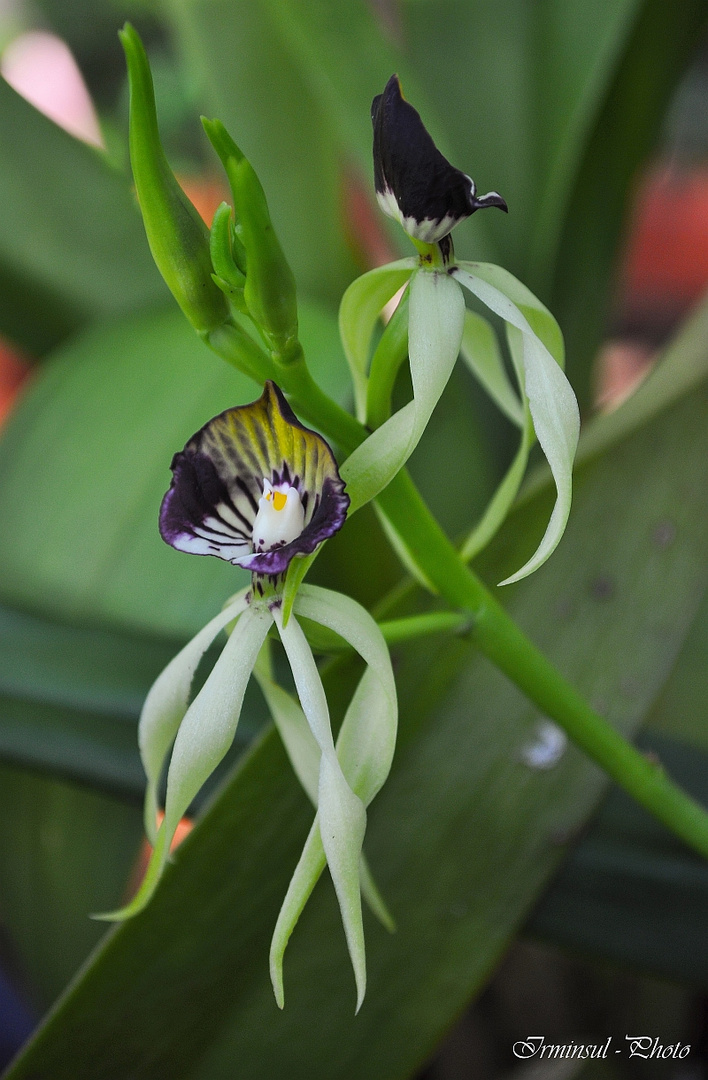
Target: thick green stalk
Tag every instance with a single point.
(494, 632)
(500, 639)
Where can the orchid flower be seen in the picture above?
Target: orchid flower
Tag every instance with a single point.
(256, 488)
(428, 196)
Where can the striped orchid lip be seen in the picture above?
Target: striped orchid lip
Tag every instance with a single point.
(254, 487)
(415, 184)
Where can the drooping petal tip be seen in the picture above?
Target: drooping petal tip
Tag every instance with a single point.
(234, 483)
(414, 183)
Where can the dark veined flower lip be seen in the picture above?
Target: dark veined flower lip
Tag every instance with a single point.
(414, 182)
(217, 481)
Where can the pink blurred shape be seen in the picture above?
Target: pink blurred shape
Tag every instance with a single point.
(41, 67)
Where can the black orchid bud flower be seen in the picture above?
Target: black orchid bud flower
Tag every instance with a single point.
(415, 184)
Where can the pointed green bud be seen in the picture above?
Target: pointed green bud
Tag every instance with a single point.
(228, 275)
(270, 286)
(178, 238)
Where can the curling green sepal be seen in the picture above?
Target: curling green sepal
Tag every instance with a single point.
(178, 238)
(269, 290)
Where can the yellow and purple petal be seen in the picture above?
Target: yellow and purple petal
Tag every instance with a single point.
(218, 483)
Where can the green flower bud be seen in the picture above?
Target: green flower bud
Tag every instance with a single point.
(178, 238)
(269, 290)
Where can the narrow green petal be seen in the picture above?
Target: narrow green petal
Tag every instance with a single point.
(298, 740)
(341, 813)
(503, 498)
(404, 553)
(304, 755)
(342, 827)
(557, 424)
(553, 407)
(166, 705)
(437, 310)
(481, 352)
(352, 622)
(209, 726)
(307, 873)
(539, 318)
(204, 736)
(370, 892)
(358, 314)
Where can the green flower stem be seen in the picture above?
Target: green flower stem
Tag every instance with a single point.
(493, 631)
(388, 356)
(501, 640)
(396, 631)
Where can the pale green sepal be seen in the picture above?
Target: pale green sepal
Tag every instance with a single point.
(341, 812)
(209, 726)
(437, 311)
(204, 736)
(354, 623)
(539, 318)
(166, 705)
(307, 873)
(299, 742)
(554, 410)
(304, 755)
(403, 551)
(358, 314)
(481, 352)
(372, 895)
(503, 498)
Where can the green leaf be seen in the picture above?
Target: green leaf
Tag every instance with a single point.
(623, 133)
(72, 245)
(64, 851)
(628, 876)
(463, 836)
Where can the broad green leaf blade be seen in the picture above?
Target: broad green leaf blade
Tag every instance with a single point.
(626, 122)
(359, 312)
(463, 836)
(116, 404)
(72, 245)
(628, 876)
(64, 851)
(70, 698)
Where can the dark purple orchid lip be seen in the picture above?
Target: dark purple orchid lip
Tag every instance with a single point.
(413, 181)
(212, 503)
